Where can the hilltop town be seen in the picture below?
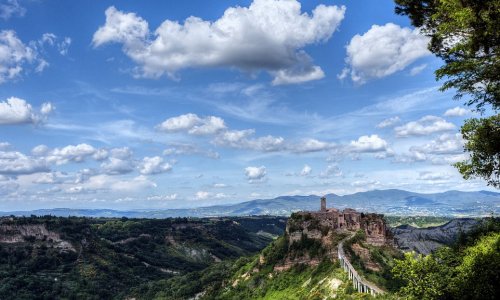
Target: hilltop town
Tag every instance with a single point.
(335, 221)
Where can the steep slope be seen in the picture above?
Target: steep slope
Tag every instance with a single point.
(427, 240)
(303, 264)
(48, 257)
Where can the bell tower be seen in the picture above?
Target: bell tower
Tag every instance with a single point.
(323, 204)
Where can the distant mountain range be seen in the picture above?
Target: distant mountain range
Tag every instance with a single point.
(390, 202)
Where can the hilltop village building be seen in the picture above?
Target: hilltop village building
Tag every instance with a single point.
(348, 220)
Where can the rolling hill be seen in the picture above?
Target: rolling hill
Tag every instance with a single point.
(389, 202)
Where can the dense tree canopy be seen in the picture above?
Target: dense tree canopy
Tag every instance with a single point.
(483, 142)
(468, 270)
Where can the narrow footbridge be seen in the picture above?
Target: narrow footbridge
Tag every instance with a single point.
(359, 283)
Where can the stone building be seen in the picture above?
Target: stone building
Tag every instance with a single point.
(348, 220)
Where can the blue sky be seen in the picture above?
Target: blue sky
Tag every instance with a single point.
(119, 104)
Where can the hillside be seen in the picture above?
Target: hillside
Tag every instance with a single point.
(216, 258)
(389, 202)
(49, 257)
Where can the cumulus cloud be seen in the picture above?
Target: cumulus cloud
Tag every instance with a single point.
(18, 111)
(119, 162)
(445, 149)
(268, 35)
(17, 57)
(456, 112)
(242, 139)
(70, 153)
(306, 170)
(444, 144)
(255, 174)
(382, 51)
(239, 139)
(193, 124)
(424, 126)
(48, 178)
(11, 8)
(331, 170)
(413, 155)
(310, 145)
(154, 165)
(389, 122)
(16, 163)
(365, 144)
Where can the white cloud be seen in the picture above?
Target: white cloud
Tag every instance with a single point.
(180, 123)
(40, 150)
(449, 159)
(306, 170)
(268, 35)
(100, 154)
(255, 174)
(63, 46)
(48, 178)
(389, 122)
(444, 144)
(209, 125)
(424, 126)
(18, 111)
(332, 170)
(242, 139)
(456, 112)
(433, 176)
(417, 69)
(116, 166)
(11, 8)
(17, 57)
(47, 108)
(70, 153)
(298, 75)
(202, 195)
(372, 143)
(119, 162)
(219, 185)
(310, 145)
(193, 124)
(106, 182)
(4, 146)
(369, 184)
(16, 163)
(14, 54)
(168, 197)
(186, 149)
(382, 51)
(154, 165)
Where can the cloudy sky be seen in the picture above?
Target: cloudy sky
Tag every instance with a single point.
(119, 104)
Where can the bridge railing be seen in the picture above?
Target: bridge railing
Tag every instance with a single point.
(359, 283)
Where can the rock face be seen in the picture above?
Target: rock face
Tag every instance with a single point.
(316, 224)
(11, 234)
(427, 240)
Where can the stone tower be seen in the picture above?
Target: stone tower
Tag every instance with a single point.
(323, 204)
